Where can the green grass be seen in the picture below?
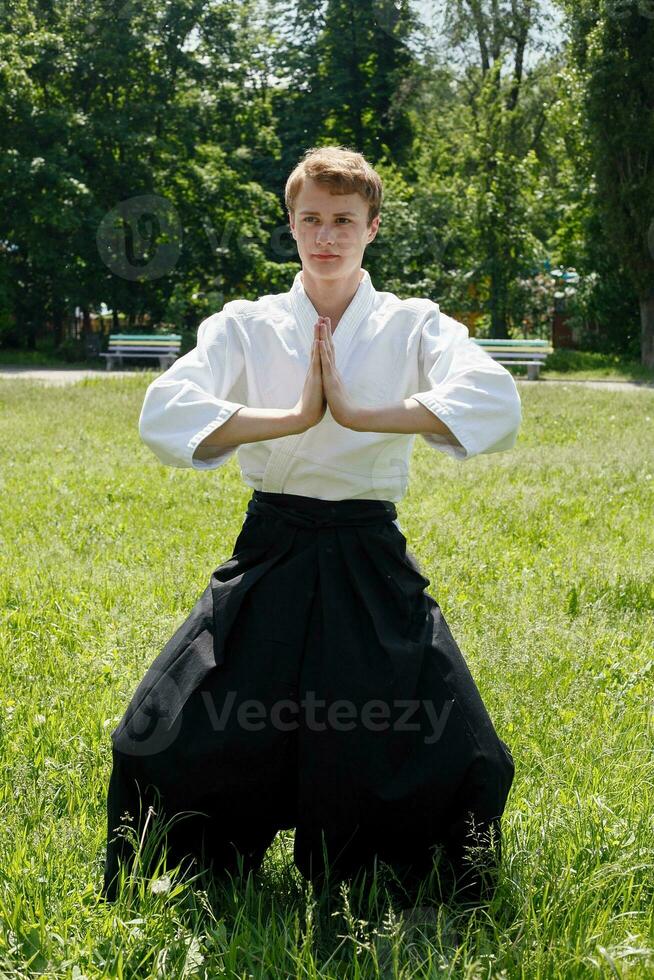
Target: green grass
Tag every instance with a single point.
(541, 560)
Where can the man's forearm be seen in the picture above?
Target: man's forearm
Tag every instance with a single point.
(409, 415)
(250, 425)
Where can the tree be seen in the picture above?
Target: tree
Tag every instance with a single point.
(43, 195)
(612, 44)
(128, 133)
(497, 129)
(346, 75)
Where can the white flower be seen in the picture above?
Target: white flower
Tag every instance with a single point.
(78, 185)
(160, 886)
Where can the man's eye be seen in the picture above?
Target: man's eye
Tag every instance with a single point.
(309, 217)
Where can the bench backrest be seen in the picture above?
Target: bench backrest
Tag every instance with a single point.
(518, 343)
(511, 349)
(145, 342)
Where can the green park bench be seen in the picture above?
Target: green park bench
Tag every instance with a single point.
(162, 347)
(530, 352)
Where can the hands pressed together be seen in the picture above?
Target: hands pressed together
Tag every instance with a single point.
(323, 384)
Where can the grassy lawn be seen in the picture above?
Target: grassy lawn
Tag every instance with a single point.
(541, 560)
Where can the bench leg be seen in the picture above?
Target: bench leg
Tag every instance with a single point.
(109, 363)
(532, 372)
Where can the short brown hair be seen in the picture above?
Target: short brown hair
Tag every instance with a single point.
(345, 171)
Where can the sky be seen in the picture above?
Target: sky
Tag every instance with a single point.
(550, 28)
(431, 12)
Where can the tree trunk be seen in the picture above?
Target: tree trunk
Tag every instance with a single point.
(647, 329)
(497, 302)
(498, 324)
(495, 317)
(30, 332)
(58, 325)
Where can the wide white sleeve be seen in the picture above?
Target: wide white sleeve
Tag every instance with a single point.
(475, 396)
(193, 396)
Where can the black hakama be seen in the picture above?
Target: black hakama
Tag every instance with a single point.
(315, 685)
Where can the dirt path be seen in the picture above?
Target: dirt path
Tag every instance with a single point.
(63, 376)
(57, 376)
(610, 385)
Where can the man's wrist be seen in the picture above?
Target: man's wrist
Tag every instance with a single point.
(359, 419)
(297, 422)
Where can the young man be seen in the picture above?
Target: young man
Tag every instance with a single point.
(370, 736)
(332, 232)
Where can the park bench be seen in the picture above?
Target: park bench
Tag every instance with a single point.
(162, 347)
(530, 352)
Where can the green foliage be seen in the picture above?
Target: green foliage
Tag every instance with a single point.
(348, 74)
(613, 47)
(144, 149)
(143, 159)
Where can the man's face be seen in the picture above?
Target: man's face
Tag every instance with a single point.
(331, 224)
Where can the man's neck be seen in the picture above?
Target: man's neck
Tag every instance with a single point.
(331, 298)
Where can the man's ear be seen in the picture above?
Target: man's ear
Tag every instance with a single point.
(374, 228)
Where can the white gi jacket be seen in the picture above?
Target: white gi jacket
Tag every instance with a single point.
(256, 354)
